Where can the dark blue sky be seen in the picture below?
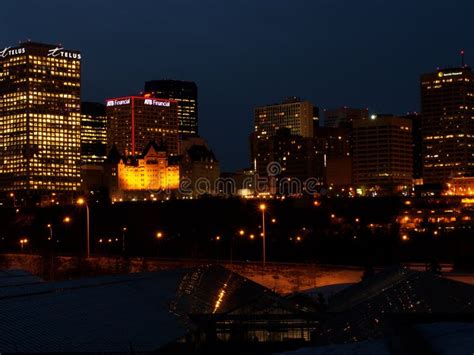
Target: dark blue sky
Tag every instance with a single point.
(245, 53)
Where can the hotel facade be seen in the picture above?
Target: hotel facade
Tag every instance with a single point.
(40, 119)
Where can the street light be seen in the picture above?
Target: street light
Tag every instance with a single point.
(23, 242)
(159, 235)
(263, 207)
(50, 227)
(81, 201)
(124, 230)
(67, 219)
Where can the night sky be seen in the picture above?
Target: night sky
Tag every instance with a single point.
(246, 53)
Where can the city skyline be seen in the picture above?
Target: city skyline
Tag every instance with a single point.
(336, 71)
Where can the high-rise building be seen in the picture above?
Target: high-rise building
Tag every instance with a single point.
(336, 149)
(447, 103)
(344, 116)
(134, 121)
(383, 152)
(40, 119)
(185, 93)
(287, 156)
(293, 118)
(93, 133)
(299, 116)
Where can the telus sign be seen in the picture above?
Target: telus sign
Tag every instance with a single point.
(8, 51)
(54, 52)
(60, 52)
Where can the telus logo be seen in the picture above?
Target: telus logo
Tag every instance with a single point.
(60, 52)
(8, 51)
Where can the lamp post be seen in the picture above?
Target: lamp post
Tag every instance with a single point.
(124, 230)
(81, 202)
(50, 227)
(263, 207)
(159, 236)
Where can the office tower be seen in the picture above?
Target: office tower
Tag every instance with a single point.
(447, 103)
(93, 133)
(289, 156)
(40, 117)
(299, 116)
(336, 148)
(383, 152)
(185, 93)
(344, 116)
(134, 121)
(293, 118)
(417, 141)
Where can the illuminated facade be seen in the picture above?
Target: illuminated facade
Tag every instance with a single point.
(461, 186)
(147, 173)
(298, 119)
(287, 157)
(185, 93)
(40, 117)
(447, 101)
(383, 152)
(134, 121)
(298, 116)
(93, 133)
(336, 148)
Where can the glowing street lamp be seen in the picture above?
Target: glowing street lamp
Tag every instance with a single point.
(50, 227)
(23, 242)
(67, 219)
(241, 232)
(263, 207)
(159, 235)
(82, 202)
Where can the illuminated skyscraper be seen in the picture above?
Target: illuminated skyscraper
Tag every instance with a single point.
(134, 121)
(447, 102)
(299, 116)
(383, 152)
(293, 116)
(185, 93)
(93, 133)
(40, 116)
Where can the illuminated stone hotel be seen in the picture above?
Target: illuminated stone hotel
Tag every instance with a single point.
(134, 121)
(40, 117)
(145, 175)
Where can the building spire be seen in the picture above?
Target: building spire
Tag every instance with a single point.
(462, 58)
